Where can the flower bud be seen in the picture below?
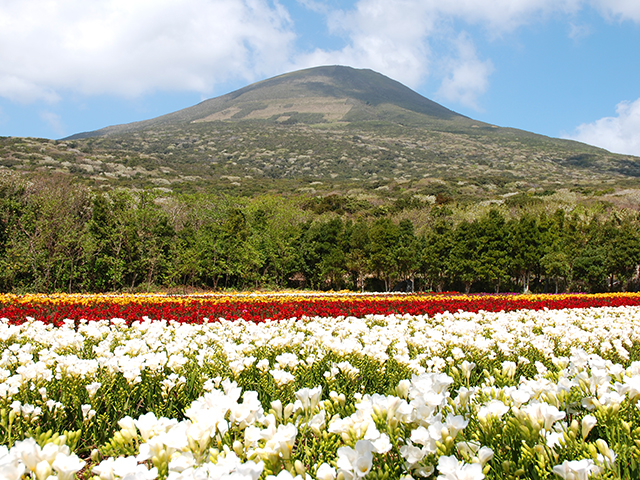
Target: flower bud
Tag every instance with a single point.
(237, 447)
(588, 422)
(574, 427)
(403, 388)
(299, 466)
(95, 455)
(276, 406)
(288, 410)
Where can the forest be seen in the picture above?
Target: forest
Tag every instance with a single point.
(58, 236)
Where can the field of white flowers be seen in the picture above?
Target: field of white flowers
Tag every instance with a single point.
(525, 394)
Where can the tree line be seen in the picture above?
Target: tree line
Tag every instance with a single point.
(58, 237)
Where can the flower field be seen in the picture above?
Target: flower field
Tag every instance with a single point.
(327, 386)
(256, 307)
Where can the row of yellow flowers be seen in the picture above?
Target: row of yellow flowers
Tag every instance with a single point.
(283, 296)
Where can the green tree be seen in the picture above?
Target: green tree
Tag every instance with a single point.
(464, 262)
(492, 249)
(526, 248)
(405, 252)
(384, 237)
(324, 260)
(435, 254)
(357, 255)
(275, 225)
(130, 241)
(621, 242)
(46, 225)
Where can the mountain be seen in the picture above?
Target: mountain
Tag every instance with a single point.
(332, 94)
(330, 130)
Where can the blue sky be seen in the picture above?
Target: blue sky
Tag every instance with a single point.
(562, 68)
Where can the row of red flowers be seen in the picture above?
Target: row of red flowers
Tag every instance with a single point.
(197, 309)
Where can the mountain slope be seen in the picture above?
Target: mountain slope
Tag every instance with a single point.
(327, 130)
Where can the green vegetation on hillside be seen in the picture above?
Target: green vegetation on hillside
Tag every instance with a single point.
(381, 161)
(58, 236)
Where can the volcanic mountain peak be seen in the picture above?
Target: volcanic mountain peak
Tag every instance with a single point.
(327, 94)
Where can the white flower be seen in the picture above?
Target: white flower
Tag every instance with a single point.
(412, 454)
(554, 439)
(281, 440)
(10, 466)
(129, 468)
(93, 388)
(606, 457)
(358, 460)
(87, 412)
(520, 396)
(43, 470)
(309, 398)
(281, 377)
(283, 475)
(495, 408)
(509, 369)
(466, 368)
(548, 414)
(485, 454)
(318, 422)
(577, 469)
(181, 461)
(67, 465)
(326, 472)
(287, 359)
(451, 469)
(28, 451)
(382, 445)
(455, 423)
(263, 365)
(104, 469)
(128, 427)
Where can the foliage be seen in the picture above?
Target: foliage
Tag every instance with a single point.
(56, 236)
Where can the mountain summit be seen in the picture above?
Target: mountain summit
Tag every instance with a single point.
(327, 94)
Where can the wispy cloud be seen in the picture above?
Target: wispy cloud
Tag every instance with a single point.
(54, 122)
(467, 76)
(619, 134)
(619, 9)
(578, 32)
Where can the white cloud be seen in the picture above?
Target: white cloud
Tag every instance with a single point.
(505, 15)
(467, 76)
(54, 122)
(131, 47)
(619, 134)
(619, 9)
(397, 39)
(578, 32)
(388, 37)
